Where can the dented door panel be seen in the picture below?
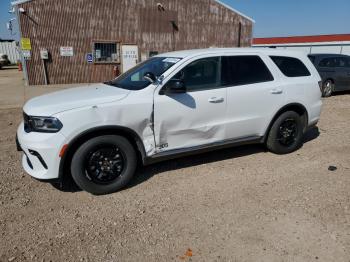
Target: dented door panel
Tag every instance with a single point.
(190, 119)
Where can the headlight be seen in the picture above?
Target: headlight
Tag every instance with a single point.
(41, 124)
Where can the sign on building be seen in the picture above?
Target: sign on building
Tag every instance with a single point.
(66, 51)
(89, 58)
(130, 54)
(44, 54)
(25, 43)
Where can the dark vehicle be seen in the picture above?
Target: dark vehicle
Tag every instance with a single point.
(4, 61)
(334, 70)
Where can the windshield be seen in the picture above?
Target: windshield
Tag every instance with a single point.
(133, 79)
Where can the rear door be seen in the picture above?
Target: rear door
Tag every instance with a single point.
(343, 73)
(348, 73)
(327, 68)
(253, 94)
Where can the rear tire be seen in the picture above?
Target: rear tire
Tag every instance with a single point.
(104, 164)
(286, 133)
(327, 88)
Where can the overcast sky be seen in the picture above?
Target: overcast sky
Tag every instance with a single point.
(273, 17)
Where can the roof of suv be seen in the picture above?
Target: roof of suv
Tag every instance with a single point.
(196, 52)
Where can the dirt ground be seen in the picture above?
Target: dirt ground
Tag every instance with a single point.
(14, 94)
(240, 204)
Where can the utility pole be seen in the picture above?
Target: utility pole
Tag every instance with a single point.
(23, 61)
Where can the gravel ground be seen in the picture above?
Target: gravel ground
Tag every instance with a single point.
(241, 204)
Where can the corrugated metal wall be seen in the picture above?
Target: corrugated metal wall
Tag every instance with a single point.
(10, 49)
(52, 24)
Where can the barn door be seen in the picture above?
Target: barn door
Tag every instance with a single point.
(130, 57)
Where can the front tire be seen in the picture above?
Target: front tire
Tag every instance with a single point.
(104, 164)
(286, 133)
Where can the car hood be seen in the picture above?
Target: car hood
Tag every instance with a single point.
(53, 103)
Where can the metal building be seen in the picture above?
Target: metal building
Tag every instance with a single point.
(9, 48)
(329, 44)
(84, 40)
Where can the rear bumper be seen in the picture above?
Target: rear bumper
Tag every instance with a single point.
(41, 153)
(315, 113)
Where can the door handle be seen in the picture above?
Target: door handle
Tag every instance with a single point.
(216, 100)
(276, 91)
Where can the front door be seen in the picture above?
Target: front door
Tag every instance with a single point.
(196, 117)
(130, 57)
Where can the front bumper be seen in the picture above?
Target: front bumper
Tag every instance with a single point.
(41, 158)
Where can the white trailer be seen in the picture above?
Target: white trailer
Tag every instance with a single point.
(10, 48)
(318, 44)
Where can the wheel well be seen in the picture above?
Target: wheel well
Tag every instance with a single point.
(331, 79)
(130, 135)
(298, 108)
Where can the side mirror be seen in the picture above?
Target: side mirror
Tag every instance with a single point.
(150, 77)
(175, 86)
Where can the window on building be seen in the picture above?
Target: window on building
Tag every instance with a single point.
(107, 52)
(244, 70)
(290, 66)
(201, 74)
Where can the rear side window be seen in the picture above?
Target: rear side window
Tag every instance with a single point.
(327, 62)
(290, 66)
(244, 70)
(330, 62)
(335, 62)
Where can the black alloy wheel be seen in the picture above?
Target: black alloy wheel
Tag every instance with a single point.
(104, 164)
(286, 133)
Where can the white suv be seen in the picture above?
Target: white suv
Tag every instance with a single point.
(171, 105)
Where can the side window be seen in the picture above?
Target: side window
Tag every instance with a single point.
(325, 62)
(290, 66)
(329, 62)
(201, 74)
(342, 61)
(244, 70)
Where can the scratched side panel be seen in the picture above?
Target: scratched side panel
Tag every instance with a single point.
(188, 120)
(133, 112)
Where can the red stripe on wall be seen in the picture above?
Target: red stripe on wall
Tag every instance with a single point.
(301, 39)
